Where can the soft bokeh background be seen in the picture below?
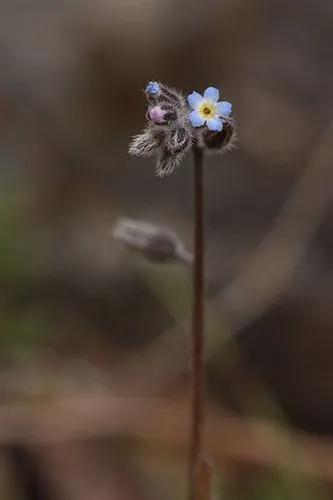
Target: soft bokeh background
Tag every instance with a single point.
(94, 362)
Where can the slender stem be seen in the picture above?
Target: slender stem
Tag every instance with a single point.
(197, 328)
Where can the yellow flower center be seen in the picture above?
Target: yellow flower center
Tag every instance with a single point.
(207, 110)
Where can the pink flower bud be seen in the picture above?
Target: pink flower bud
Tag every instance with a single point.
(156, 114)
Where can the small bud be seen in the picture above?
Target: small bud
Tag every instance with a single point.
(218, 142)
(157, 114)
(156, 243)
(143, 145)
(152, 88)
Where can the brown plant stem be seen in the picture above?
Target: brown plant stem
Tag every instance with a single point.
(197, 329)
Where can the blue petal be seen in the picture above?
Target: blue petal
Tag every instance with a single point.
(194, 100)
(212, 94)
(152, 88)
(196, 119)
(224, 108)
(215, 124)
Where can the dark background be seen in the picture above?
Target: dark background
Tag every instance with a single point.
(93, 356)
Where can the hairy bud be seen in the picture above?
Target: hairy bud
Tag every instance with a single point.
(156, 243)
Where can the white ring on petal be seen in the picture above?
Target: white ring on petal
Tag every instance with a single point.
(212, 94)
(224, 108)
(196, 119)
(194, 100)
(215, 124)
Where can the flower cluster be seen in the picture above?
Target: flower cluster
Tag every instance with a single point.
(168, 134)
(176, 124)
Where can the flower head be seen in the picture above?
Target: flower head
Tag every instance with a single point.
(172, 130)
(207, 110)
(153, 88)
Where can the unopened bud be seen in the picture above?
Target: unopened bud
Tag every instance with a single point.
(154, 242)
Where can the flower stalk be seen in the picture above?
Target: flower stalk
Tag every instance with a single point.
(197, 351)
(175, 126)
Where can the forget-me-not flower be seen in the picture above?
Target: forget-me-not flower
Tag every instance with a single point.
(207, 110)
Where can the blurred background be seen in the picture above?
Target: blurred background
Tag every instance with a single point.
(94, 340)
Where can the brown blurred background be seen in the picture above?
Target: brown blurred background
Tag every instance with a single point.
(94, 340)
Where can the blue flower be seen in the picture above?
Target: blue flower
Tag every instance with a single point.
(153, 88)
(207, 110)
